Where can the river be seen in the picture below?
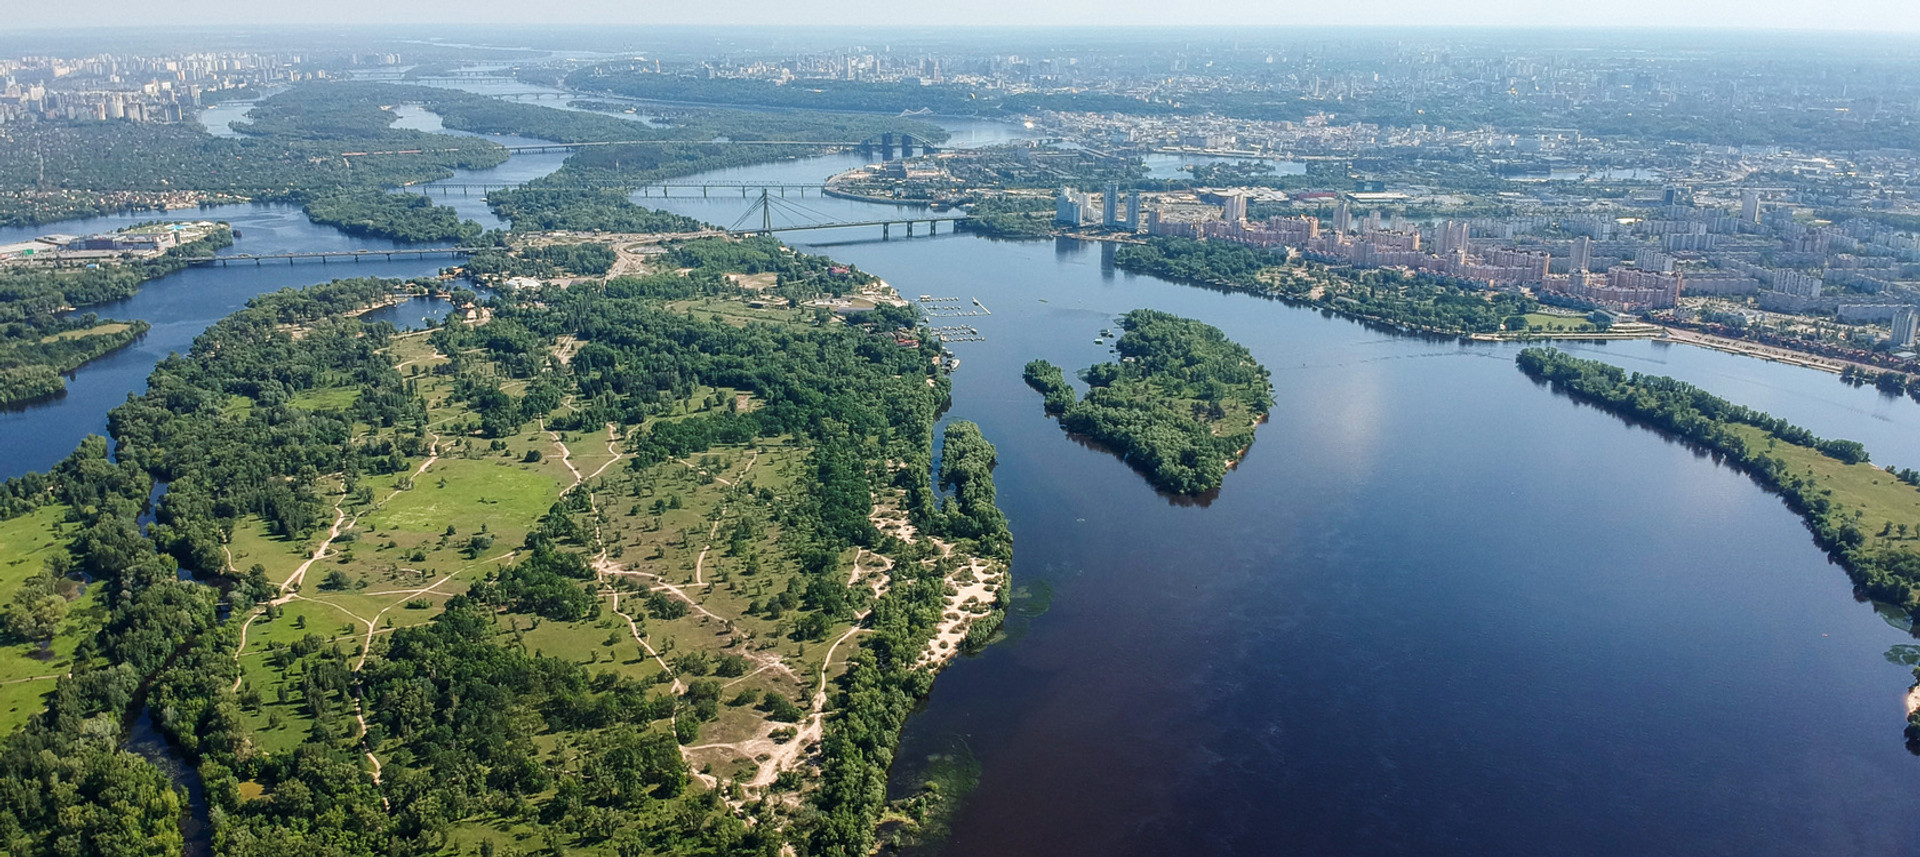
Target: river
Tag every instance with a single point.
(183, 304)
(1439, 609)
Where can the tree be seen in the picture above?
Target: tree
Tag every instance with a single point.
(37, 609)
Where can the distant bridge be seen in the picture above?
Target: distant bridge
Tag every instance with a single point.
(887, 144)
(325, 256)
(910, 224)
(886, 226)
(704, 189)
(802, 218)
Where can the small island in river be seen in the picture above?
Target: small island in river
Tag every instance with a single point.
(1180, 406)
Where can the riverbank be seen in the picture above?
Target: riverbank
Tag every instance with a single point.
(1764, 352)
(1649, 332)
(1863, 516)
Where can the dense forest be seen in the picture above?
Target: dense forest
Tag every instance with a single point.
(1694, 120)
(1180, 406)
(468, 723)
(399, 216)
(554, 204)
(1884, 568)
(542, 260)
(294, 145)
(1416, 302)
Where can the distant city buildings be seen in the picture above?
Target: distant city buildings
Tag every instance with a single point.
(125, 88)
(1906, 326)
(139, 242)
(1622, 288)
(1071, 207)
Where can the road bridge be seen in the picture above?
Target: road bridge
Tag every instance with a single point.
(662, 189)
(887, 225)
(887, 144)
(325, 256)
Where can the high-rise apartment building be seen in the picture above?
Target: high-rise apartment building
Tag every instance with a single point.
(1582, 259)
(1235, 209)
(1906, 325)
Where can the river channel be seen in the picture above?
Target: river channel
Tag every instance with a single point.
(1439, 609)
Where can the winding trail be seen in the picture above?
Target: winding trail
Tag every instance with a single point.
(299, 574)
(781, 755)
(700, 561)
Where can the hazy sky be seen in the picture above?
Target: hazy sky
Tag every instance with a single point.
(1870, 15)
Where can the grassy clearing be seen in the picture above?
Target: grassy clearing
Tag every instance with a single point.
(28, 541)
(105, 329)
(468, 494)
(236, 407)
(1548, 321)
(739, 314)
(27, 669)
(422, 537)
(673, 524)
(1880, 504)
(326, 398)
(253, 544)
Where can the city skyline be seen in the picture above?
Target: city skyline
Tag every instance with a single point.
(1879, 16)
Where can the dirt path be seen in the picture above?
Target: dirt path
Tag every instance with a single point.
(566, 455)
(782, 755)
(289, 588)
(300, 574)
(613, 448)
(700, 561)
(634, 626)
(660, 584)
(35, 678)
(340, 523)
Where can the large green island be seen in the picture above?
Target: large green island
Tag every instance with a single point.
(645, 564)
(1181, 406)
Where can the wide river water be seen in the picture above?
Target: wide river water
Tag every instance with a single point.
(1439, 609)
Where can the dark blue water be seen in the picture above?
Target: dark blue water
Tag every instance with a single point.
(182, 305)
(471, 203)
(1438, 610)
(178, 307)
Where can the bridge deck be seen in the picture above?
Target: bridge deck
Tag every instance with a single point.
(417, 252)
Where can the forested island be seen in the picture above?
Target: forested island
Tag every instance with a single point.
(40, 340)
(1382, 296)
(1866, 518)
(399, 216)
(1181, 406)
(634, 566)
